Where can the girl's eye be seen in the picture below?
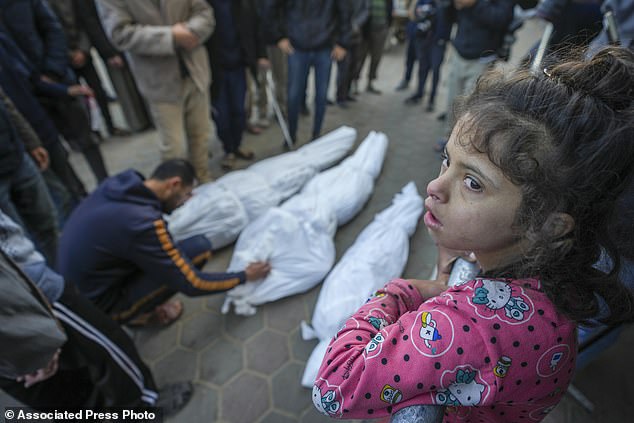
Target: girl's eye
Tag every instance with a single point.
(445, 159)
(472, 184)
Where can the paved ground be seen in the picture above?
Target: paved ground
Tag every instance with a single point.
(247, 369)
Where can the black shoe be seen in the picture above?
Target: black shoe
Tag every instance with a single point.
(174, 397)
(441, 117)
(342, 104)
(413, 100)
(373, 90)
(351, 98)
(429, 108)
(304, 110)
(329, 102)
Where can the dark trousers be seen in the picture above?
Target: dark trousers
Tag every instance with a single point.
(73, 122)
(299, 64)
(410, 57)
(345, 72)
(89, 73)
(430, 56)
(229, 108)
(99, 365)
(141, 294)
(25, 199)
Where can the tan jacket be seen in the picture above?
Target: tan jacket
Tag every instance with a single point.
(142, 29)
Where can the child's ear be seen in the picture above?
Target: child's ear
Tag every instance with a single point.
(559, 224)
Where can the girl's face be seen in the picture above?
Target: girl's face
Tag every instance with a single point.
(471, 205)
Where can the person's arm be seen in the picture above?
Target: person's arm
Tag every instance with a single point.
(273, 13)
(88, 18)
(55, 47)
(35, 335)
(27, 134)
(201, 21)
(126, 34)
(368, 369)
(155, 252)
(343, 24)
(496, 14)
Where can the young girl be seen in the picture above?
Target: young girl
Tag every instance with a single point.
(528, 184)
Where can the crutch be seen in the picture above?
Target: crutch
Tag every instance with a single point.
(541, 49)
(609, 22)
(270, 85)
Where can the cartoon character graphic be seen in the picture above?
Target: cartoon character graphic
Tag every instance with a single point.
(374, 343)
(326, 404)
(555, 359)
(496, 295)
(464, 391)
(502, 367)
(428, 330)
(391, 395)
(377, 322)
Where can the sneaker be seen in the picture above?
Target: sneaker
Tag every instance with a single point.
(402, 86)
(174, 397)
(228, 162)
(413, 100)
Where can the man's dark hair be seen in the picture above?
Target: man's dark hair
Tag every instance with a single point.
(175, 167)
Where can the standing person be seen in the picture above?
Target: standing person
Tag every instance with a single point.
(481, 26)
(72, 15)
(234, 48)
(502, 347)
(431, 34)
(374, 35)
(164, 41)
(23, 193)
(311, 33)
(345, 68)
(35, 29)
(129, 266)
(94, 362)
(410, 51)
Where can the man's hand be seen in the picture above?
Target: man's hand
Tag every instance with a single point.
(184, 37)
(116, 61)
(463, 4)
(338, 53)
(285, 45)
(264, 63)
(257, 270)
(429, 289)
(41, 374)
(40, 155)
(78, 90)
(78, 58)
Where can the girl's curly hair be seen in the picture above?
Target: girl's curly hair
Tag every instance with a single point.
(566, 137)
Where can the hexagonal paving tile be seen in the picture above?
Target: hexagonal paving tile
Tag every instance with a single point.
(242, 327)
(286, 314)
(201, 330)
(245, 399)
(179, 365)
(300, 349)
(266, 351)
(192, 305)
(288, 394)
(203, 407)
(221, 361)
(153, 343)
(311, 415)
(214, 302)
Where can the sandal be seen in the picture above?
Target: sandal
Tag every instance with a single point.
(163, 315)
(244, 154)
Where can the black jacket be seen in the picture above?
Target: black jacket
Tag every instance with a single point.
(308, 24)
(252, 43)
(481, 28)
(11, 147)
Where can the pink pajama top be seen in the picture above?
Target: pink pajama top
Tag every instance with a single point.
(489, 350)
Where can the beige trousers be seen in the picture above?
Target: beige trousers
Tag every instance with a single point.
(184, 128)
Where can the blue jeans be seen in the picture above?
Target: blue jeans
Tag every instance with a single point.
(25, 199)
(229, 112)
(299, 64)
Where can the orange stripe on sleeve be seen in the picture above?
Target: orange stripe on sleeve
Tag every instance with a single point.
(183, 265)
